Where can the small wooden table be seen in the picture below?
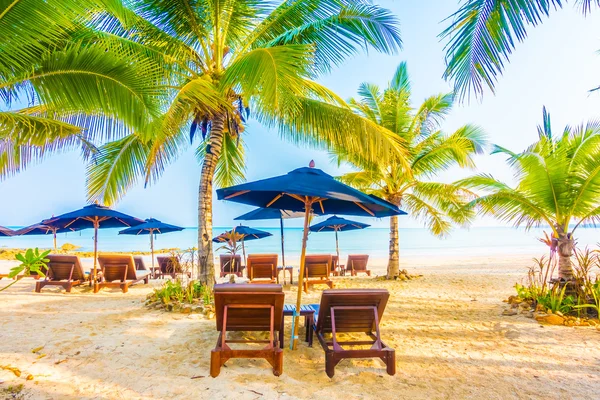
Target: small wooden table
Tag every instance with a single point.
(309, 320)
(289, 269)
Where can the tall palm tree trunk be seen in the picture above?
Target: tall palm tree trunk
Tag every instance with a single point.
(206, 267)
(393, 269)
(565, 247)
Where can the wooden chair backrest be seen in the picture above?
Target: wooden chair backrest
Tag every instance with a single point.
(317, 266)
(140, 265)
(261, 266)
(168, 264)
(59, 267)
(229, 265)
(358, 262)
(352, 319)
(249, 319)
(113, 266)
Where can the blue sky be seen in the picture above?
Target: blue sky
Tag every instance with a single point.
(555, 67)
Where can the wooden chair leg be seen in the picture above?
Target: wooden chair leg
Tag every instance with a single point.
(38, 286)
(215, 363)
(68, 287)
(125, 287)
(329, 364)
(278, 362)
(391, 362)
(146, 280)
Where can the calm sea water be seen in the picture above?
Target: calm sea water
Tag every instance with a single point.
(374, 241)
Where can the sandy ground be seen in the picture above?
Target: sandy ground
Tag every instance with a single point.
(450, 338)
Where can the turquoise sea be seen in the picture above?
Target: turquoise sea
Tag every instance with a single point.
(374, 241)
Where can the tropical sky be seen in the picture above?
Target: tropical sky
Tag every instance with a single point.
(556, 67)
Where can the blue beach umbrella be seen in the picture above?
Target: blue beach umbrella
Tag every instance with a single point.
(151, 226)
(6, 231)
(41, 229)
(308, 190)
(93, 216)
(247, 234)
(271, 213)
(337, 224)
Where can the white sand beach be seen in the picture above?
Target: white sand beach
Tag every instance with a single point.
(450, 338)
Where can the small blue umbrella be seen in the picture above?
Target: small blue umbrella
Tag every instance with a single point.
(93, 216)
(247, 234)
(308, 190)
(337, 224)
(6, 231)
(272, 213)
(151, 226)
(41, 229)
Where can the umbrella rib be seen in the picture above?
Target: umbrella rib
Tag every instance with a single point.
(295, 196)
(274, 200)
(236, 194)
(321, 204)
(365, 208)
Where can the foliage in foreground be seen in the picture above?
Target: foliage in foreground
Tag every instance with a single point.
(32, 263)
(176, 291)
(578, 297)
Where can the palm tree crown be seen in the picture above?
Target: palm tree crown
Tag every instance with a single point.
(557, 184)
(225, 61)
(405, 180)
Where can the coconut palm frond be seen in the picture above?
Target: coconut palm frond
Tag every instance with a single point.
(482, 35)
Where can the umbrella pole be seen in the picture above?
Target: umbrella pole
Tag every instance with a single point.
(54, 234)
(244, 251)
(152, 251)
(282, 246)
(307, 207)
(96, 224)
(337, 250)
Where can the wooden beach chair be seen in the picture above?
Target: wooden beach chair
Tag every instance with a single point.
(170, 265)
(317, 268)
(357, 263)
(257, 308)
(140, 265)
(231, 265)
(352, 311)
(262, 268)
(118, 270)
(62, 271)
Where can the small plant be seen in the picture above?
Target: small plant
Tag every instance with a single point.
(231, 246)
(32, 263)
(178, 292)
(594, 291)
(556, 301)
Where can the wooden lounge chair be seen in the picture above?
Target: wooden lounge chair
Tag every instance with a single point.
(62, 271)
(317, 268)
(262, 268)
(357, 263)
(257, 308)
(353, 311)
(170, 265)
(118, 270)
(140, 265)
(231, 265)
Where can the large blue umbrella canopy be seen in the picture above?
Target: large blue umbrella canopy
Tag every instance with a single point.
(336, 224)
(93, 216)
(6, 231)
(151, 226)
(309, 190)
(41, 229)
(272, 213)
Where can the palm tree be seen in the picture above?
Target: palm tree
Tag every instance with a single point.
(482, 36)
(557, 184)
(226, 61)
(73, 86)
(405, 181)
